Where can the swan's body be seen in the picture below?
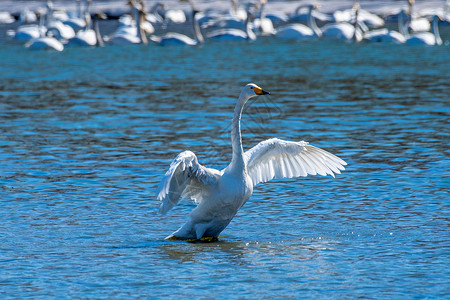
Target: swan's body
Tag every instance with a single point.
(6, 18)
(132, 33)
(426, 38)
(88, 36)
(28, 32)
(175, 38)
(220, 194)
(384, 36)
(45, 43)
(299, 31)
(233, 34)
(339, 31)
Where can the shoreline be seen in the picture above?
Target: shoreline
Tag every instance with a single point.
(115, 8)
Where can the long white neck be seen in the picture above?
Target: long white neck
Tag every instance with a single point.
(312, 23)
(237, 160)
(248, 27)
(435, 30)
(98, 36)
(403, 24)
(197, 32)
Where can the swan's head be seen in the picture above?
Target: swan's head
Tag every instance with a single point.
(252, 90)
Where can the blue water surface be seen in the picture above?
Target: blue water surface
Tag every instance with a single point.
(87, 134)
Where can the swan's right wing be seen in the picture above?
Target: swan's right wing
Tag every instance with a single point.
(186, 178)
(275, 158)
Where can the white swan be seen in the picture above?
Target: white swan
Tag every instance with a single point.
(424, 38)
(174, 38)
(25, 33)
(6, 18)
(89, 36)
(45, 43)
(80, 18)
(132, 34)
(385, 35)
(341, 30)
(417, 24)
(232, 34)
(302, 12)
(263, 25)
(56, 26)
(220, 194)
(300, 31)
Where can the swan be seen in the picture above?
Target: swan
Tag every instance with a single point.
(6, 18)
(302, 15)
(386, 35)
(425, 38)
(235, 18)
(174, 38)
(56, 25)
(341, 30)
(300, 31)
(417, 24)
(367, 18)
(79, 20)
(127, 35)
(89, 36)
(25, 33)
(220, 194)
(232, 34)
(263, 24)
(27, 16)
(45, 42)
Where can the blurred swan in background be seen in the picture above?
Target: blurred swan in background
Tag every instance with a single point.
(45, 42)
(175, 38)
(417, 23)
(220, 194)
(132, 33)
(299, 31)
(432, 38)
(343, 30)
(386, 35)
(55, 24)
(25, 33)
(90, 36)
(233, 34)
(261, 24)
(6, 18)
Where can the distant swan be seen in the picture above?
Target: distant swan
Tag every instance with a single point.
(424, 38)
(298, 31)
(385, 35)
(130, 34)
(89, 36)
(175, 38)
(220, 194)
(342, 30)
(232, 34)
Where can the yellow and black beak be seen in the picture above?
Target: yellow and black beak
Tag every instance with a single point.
(260, 91)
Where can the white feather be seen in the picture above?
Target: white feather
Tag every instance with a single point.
(275, 158)
(186, 178)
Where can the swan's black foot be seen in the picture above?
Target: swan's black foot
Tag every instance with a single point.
(205, 239)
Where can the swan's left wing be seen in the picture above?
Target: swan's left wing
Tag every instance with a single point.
(275, 158)
(186, 178)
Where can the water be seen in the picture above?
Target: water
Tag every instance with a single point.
(87, 134)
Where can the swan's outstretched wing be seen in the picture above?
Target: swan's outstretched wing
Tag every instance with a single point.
(275, 158)
(186, 178)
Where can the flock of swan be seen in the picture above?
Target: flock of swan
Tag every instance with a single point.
(220, 194)
(55, 29)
